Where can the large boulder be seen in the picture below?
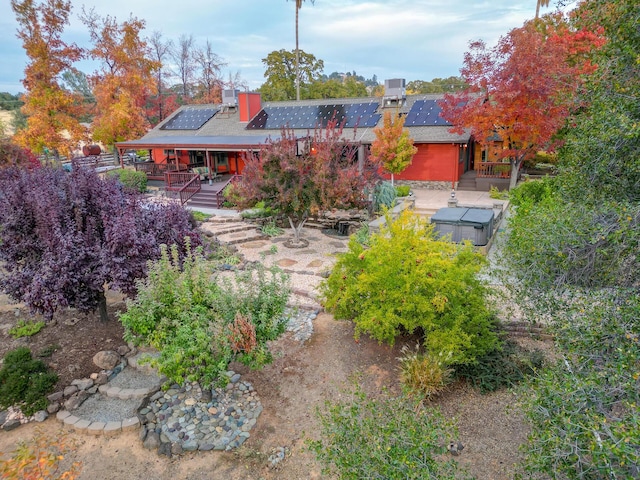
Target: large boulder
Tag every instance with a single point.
(106, 359)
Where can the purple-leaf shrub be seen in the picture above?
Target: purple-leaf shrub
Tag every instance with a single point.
(64, 237)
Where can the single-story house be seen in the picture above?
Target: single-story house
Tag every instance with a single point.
(219, 136)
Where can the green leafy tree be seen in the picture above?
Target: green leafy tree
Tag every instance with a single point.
(437, 85)
(337, 88)
(393, 147)
(10, 102)
(77, 83)
(409, 281)
(281, 74)
(571, 259)
(326, 175)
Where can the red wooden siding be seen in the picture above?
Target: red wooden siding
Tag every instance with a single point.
(434, 162)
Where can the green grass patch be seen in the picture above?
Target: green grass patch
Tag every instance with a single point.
(26, 328)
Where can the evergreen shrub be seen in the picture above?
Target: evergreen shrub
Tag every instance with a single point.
(25, 382)
(384, 195)
(409, 281)
(402, 190)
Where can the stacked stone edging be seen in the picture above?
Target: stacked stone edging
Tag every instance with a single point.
(109, 428)
(97, 428)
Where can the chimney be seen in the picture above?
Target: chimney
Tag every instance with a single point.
(249, 104)
(394, 93)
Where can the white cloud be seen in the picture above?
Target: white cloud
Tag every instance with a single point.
(419, 39)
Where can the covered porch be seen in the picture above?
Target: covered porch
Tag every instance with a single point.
(209, 156)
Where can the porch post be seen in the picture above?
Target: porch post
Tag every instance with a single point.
(208, 160)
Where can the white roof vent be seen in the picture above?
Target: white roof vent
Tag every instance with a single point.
(230, 98)
(395, 93)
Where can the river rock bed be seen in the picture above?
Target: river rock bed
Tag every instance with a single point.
(188, 418)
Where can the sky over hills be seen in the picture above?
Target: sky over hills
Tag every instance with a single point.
(415, 40)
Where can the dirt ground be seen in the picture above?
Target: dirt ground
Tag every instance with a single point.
(301, 378)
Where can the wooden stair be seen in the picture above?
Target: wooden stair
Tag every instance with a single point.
(204, 199)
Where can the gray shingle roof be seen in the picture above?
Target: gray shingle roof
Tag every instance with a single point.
(225, 128)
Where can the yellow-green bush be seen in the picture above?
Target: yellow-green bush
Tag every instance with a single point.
(131, 179)
(409, 281)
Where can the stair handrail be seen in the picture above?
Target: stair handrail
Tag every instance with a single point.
(220, 193)
(189, 189)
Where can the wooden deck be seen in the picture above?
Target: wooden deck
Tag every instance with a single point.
(207, 196)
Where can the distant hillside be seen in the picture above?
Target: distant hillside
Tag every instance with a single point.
(6, 118)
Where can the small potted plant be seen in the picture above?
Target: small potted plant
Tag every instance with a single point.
(502, 170)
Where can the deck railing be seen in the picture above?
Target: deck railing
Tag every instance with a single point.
(220, 193)
(156, 171)
(493, 169)
(183, 185)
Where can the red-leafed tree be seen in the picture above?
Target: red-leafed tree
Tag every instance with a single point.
(13, 155)
(327, 174)
(393, 147)
(523, 89)
(52, 112)
(125, 79)
(65, 236)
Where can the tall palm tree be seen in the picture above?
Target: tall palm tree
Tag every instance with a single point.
(541, 3)
(298, 6)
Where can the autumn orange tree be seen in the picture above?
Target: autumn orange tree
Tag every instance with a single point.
(393, 147)
(53, 112)
(523, 89)
(124, 80)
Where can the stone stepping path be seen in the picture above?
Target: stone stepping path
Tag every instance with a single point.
(113, 408)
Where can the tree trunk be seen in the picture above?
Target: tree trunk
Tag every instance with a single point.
(297, 57)
(515, 169)
(102, 308)
(392, 180)
(297, 229)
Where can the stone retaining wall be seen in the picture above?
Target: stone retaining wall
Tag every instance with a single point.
(429, 185)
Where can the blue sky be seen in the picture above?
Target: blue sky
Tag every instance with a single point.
(411, 39)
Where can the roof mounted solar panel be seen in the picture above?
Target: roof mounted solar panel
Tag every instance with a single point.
(425, 113)
(312, 116)
(190, 119)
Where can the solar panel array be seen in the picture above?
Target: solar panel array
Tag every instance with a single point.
(190, 119)
(425, 113)
(312, 116)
